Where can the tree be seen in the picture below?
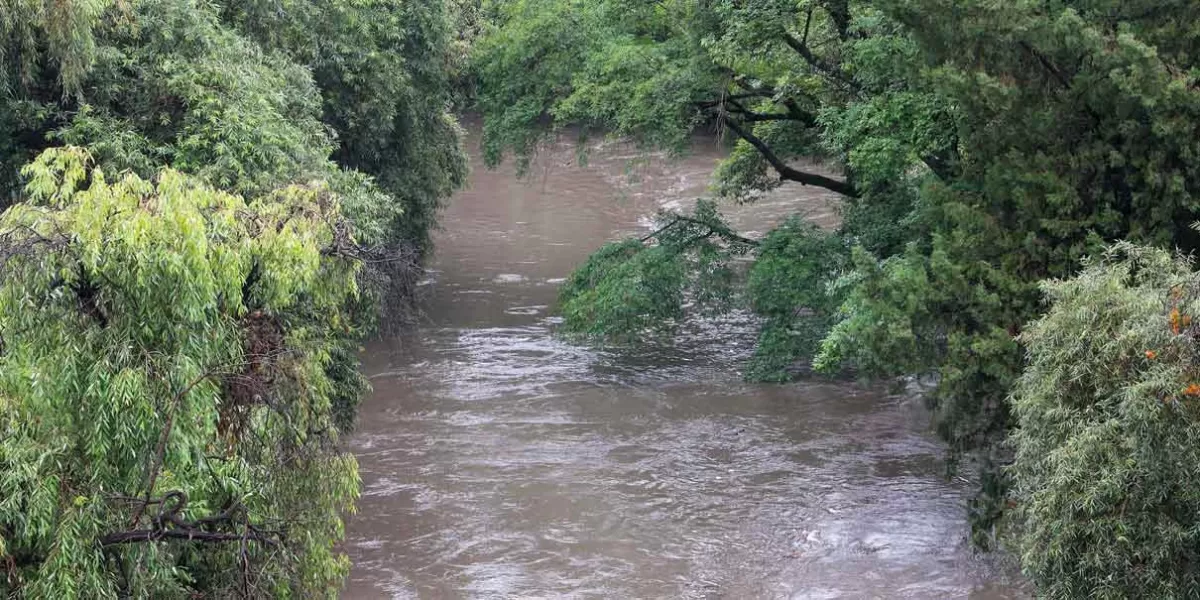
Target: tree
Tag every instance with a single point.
(166, 420)
(171, 414)
(32, 34)
(383, 69)
(254, 95)
(658, 73)
(1108, 435)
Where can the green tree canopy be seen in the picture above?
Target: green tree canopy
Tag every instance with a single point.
(220, 199)
(246, 95)
(383, 69)
(166, 424)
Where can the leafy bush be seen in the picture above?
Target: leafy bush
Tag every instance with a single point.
(1105, 477)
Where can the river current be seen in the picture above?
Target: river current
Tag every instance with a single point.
(501, 462)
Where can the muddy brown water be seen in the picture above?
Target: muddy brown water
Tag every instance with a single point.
(500, 462)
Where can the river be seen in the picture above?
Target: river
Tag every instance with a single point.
(500, 462)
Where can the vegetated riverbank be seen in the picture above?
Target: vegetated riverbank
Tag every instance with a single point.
(207, 206)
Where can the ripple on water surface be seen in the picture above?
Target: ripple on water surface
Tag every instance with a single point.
(507, 463)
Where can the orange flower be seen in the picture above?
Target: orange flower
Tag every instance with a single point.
(1150, 354)
(1192, 390)
(1174, 320)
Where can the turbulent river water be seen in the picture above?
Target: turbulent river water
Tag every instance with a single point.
(500, 462)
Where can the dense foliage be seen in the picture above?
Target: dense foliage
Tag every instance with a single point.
(978, 148)
(1109, 435)
(382, 69)
(247, 95)
(631, 287)
(164, 379)
(209, 203)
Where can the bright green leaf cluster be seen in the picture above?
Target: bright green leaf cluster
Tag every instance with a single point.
(158, 339)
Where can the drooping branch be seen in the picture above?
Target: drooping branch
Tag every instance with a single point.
(785, 171)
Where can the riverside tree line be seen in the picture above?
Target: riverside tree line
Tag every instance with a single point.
(210, 203)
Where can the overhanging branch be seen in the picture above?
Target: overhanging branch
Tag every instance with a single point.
(169, 524)
(786, 172)
(713, 229)
(790, 104)
(730, 103)
(155, 535)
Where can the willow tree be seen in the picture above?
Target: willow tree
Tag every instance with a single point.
(166, 420)
(249, 96)
(179, 363)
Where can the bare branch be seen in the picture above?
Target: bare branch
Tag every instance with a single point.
(1047, 65)
(169, 524)
(154, 535)
(161, 447)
